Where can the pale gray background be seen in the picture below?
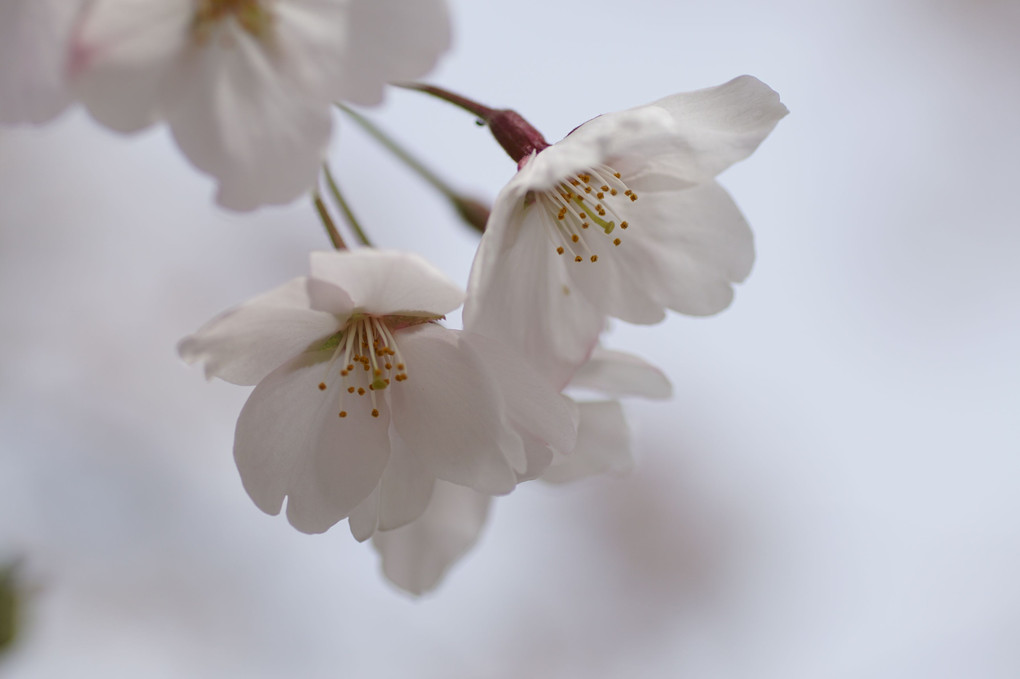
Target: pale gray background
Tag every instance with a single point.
(831, 493)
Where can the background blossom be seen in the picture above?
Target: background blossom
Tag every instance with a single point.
(247, 88)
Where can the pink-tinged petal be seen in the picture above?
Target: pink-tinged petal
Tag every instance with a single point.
(290, 442)
(236, 118)
(418, 555)
(390, 41)
(33, 50)
(702, 245)
(120, 55)
(451, 413)
(364, 518)
(382, 282)
(617, 373)
(247, 343)
(405, 488)
(716, 127)
(520, 293)
(603, 445)
(532, 402)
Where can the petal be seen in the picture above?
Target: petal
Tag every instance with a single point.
(616, 373)
(715, 128)
(702, 245)
(622, 283)
(365, 517)
(405, 488)
(384, 282)
(245, 344)
(417, 556)
(603, 445)
(451, 414)
(537, 457)
(520, 293)
(236, 117)
(390, 41)
(533, 404)
(290, 442)
(120, 54)
(33, 49)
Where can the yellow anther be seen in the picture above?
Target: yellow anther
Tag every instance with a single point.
(616, 241)
(559, 250)
(343, 413)
(322, 386)
(375, 412)
(578, 258)
(594, 258)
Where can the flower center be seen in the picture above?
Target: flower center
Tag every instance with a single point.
(370, 359)
(252, 15)
(594, 197)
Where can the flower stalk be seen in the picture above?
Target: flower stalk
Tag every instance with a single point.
(344, 206)
(474, 212)
(516, 135)
(327, 222)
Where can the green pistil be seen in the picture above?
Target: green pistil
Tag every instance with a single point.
(606, 226)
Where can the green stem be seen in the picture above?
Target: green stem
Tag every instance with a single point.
(473, 212)
(327, 221)
(345, 207)
(397, 150)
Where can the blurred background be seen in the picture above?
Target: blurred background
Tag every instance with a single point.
(832, 491)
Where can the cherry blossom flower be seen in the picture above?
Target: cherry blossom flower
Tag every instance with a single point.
(621, 218)
(417, 555)
(361, 393)
(33, 46)
(246, 86)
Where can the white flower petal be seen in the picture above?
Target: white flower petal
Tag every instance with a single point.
(290, 442)
(532, 402)
(537, 457)
(716, 127)
(450, 412)
(385, 282)
(520, 293)
(237, 118)
(121, 51)
(603, 445)
(405, 488)
(364, 518)
(33, 50)
(391, 41)
(621, 283)
(418, 555)
(702, 245)
(617, 373)
(245, 344)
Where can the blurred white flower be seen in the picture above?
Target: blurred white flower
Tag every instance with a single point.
(621, 218)
(360, 393)
(246, 86)
(33, 49)
(417, 556)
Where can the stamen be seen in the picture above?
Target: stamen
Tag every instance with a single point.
(584, 199)
(366, 341)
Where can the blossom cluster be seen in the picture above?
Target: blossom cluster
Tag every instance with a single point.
(365, 406)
